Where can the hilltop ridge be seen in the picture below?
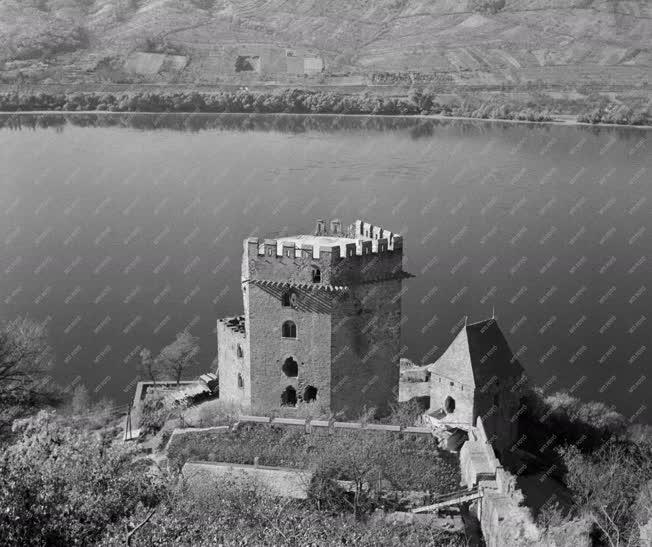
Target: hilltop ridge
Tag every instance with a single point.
(450, 45)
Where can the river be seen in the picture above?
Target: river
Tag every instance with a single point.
(121, 230)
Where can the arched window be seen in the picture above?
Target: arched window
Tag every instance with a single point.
(290, 368)
(285, 299)
(289, 330)
(240, 381)
(310, 394)
(289, 397)
(449, 405)
(316, 274)
(239, 351)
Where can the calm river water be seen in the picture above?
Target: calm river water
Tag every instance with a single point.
(122, 230)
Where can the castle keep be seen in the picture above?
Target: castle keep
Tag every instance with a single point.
(321, 323)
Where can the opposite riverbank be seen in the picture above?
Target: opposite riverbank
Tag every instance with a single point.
(562, 120)
(302, 101)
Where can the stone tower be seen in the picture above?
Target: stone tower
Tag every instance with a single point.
(321, 323)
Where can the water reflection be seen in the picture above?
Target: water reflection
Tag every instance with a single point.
(416, 128)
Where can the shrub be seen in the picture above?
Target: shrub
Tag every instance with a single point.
(408, 461)
(61, 485)
(229, 514)
(154, 412)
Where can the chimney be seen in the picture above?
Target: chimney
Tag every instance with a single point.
(320, 228)
(336, 226)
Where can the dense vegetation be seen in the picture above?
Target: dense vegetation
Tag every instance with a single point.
(230, 515)
(63, 484)
(605, 462)
(409, 461)
(60, 485)
(295, 101)
(66, 477)
(615, 114)
(301, 101)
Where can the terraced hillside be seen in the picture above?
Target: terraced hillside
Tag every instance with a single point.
(444, 43)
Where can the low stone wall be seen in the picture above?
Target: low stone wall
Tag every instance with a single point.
(408, 390)
(276, 481)
(310, 424)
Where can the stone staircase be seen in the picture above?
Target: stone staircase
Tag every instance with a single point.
(453, 498)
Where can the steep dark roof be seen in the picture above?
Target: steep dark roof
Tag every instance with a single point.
(490, 352)
(477, 354)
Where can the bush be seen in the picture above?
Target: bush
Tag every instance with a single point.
(61, 485)
(229, 514)
(154, 412)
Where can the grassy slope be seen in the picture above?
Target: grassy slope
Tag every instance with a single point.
(478, 42)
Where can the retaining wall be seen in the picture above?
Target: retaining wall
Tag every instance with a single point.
(310, 424)
(276, 481)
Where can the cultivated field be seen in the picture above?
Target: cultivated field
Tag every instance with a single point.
(599, 45)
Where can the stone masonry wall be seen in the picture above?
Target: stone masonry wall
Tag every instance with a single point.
(311, 349)
(459, 387)
(499, 411)
(365, 348)
(362, 268)
(410, 390)
(230, 365)
(287, 267)
(442, 387)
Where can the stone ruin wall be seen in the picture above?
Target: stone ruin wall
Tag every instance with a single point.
(230, 365)
(504, 518)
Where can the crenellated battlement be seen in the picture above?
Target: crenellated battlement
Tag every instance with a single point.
(359, 253)
(359, 239)
(271, 248)
(287, 248)
(361, 229)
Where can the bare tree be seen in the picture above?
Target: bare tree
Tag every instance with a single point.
(611, 487)
(149, 366)
(24, 357)
(180, 355)
(358, 459)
